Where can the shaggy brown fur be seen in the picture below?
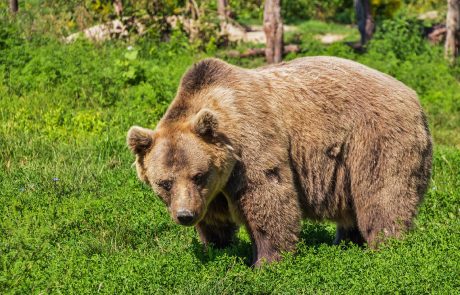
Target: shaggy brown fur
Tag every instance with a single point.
(318, 138)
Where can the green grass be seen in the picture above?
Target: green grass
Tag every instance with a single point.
(75, 219)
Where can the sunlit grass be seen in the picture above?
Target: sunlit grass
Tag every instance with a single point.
(75, 219)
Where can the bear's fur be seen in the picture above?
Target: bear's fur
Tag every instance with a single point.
(317, 137)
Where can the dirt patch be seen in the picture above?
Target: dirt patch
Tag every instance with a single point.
(330, 38)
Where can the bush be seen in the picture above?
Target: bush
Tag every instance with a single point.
(402, 36)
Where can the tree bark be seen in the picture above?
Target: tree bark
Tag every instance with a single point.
(453, 30)
(273, 28)
(14, 6)
(118, 7)
(192, 6)
(223, 10)
(366, 23)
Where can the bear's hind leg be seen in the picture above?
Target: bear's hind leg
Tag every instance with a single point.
(388, 182)
(378, 220)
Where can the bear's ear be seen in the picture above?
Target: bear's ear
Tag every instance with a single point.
(139, 140)
(205, 123)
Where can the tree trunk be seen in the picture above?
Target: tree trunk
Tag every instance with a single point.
(365, 20)
(193, 8)
(118, 7)
(223, 10)
(14, 6)
(273, 28)
(453, 30)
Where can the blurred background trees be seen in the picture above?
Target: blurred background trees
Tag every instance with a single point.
(273, 28)
(212, 24)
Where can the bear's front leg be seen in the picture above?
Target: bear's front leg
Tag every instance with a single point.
(220, 236)
(272, 215)
(217, 227)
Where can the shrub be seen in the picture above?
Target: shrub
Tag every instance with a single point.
(401, 36)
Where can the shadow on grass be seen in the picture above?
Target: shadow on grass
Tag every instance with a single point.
(311, 235)
(239, 248)
(315, 234)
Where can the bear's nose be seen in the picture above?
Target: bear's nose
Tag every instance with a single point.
(185, 217)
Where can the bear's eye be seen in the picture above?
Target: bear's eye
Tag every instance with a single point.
(199, 179)
(165, 184)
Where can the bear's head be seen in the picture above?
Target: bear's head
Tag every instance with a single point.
(186, 163)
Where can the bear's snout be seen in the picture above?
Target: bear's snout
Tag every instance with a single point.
(186, 217)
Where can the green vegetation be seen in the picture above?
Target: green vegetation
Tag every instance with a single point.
(75, 219)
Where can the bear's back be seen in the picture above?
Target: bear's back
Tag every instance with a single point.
(318, 97)
(339, 79)
(329, 93)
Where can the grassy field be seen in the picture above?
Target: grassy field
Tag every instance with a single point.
(75, 219)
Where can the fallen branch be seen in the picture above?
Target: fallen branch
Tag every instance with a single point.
(253, 52)
(117, 28)
(437, 35)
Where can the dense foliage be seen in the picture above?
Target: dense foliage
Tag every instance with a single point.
(62, 17)
(74, 218)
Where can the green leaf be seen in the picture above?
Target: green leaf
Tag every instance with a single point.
(131, 55)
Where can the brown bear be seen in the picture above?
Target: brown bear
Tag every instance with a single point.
(316, 137)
